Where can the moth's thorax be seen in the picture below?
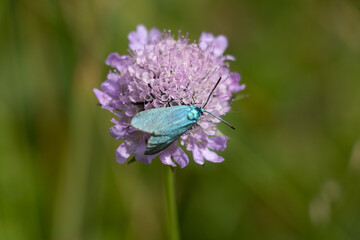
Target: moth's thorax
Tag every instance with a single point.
(195, 113)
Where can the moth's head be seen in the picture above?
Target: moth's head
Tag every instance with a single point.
(195, 113)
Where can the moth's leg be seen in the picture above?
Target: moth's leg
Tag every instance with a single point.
(193, 100)
(195, 125)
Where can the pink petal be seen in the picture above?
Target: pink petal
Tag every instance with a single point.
(124, 151)
(139, 153)
(230, 58)
(103, 98)
(142, 32)
(110, 87)
(237, 88)
(235, 77)
(217, 143)
(119, 62)
(165, 158)
(119, 131)
(180, 157)
(211, 156)
(154, 34)
(220, 45)
(205, 40)
(234, 81)
(197, 155)
(138, 39)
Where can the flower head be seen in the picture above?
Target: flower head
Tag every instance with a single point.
(164, 71)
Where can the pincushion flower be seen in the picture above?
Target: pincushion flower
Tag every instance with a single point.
(164, 71)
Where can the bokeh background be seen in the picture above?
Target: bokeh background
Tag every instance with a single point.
(292, 168)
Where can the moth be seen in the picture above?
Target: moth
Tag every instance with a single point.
(166, 125)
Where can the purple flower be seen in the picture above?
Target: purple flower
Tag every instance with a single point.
(163, 71)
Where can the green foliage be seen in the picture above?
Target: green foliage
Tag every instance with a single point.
(292, 166)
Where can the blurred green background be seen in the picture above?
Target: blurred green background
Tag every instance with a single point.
(292, 168)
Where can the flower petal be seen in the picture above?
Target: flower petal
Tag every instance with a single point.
(229, 57)
(197, 155)
(154, 34)
(120, 131)
(124, 151)
(234, 83)
(139, 38)
(165, 158)
(205, 40)
(180, 157)
(103, 98)
(217, 143)
(110, 87)
(220, 45)
(139, 153)
(211, 156)
(121, 63)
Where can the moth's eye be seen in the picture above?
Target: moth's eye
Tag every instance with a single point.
(190, 116)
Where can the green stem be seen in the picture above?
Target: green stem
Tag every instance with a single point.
(171, 204)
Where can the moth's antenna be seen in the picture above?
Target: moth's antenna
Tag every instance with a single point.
(212, 91)
(220, 119)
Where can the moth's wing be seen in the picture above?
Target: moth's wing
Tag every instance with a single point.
(162, 121)
(158, 143)
(165, 125)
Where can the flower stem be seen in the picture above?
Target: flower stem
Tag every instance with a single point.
(171, 204)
